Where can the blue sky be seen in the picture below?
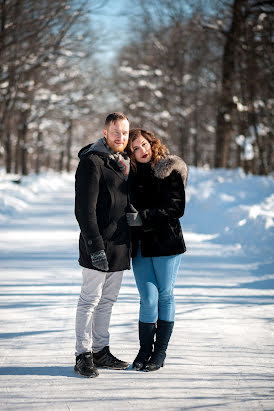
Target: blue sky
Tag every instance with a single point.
(113, 21)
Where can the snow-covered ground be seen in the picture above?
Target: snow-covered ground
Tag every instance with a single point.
(221, 355)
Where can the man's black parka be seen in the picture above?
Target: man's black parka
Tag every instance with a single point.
(101, 201)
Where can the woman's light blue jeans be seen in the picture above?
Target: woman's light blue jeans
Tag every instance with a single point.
(155, 278)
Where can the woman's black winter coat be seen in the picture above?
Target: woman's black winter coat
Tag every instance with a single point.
(158, 193)
(101, 201)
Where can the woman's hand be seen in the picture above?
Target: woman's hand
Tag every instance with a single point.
(134, 218)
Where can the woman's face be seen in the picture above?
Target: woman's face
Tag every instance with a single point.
(142, 150)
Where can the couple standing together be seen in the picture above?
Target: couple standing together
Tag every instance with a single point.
(130, 194)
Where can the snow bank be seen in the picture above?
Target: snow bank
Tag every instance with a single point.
(232, 206)
(229, 205)
(17, 193)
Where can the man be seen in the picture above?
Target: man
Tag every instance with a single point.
(100, 208)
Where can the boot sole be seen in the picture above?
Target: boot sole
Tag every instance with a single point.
(111, 368)
(139, 368)
(154, 369)
(86, 376)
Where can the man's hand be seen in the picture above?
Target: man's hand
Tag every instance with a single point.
(99, 260)
(134, 218)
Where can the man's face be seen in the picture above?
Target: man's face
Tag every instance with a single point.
(117, 135)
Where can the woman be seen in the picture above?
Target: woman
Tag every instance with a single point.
(157, 191)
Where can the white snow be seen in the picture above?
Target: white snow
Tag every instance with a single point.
(221, 355)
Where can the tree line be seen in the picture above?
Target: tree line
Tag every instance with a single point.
(197, 73)
(200, 75)
(48, 81)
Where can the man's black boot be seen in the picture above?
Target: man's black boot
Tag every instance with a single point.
(84, 365)
(163, 334)
(146, 338)
(105, 359)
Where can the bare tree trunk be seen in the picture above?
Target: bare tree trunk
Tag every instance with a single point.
(24, 151)
(38, 152)
(22, 136)
(252, 91)
(17, 158)
(182, 141)
(2, 38)
(69, 144)
(262, 164)
(7, 145)
(226, 104)
(270, 152)
(8, 158)
(195, 136)
(48, 161)
(61, 160)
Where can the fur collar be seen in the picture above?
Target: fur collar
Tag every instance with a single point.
(166, 165)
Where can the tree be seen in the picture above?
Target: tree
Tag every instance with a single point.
(245, 70)
(200, 75)
(167, 77)
(36, 40)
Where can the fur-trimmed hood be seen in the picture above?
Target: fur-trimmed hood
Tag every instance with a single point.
(166, 165)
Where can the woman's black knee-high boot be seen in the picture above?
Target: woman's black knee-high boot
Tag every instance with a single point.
(163, 334)
(146, 338)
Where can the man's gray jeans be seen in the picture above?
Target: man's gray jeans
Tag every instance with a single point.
(98, 294)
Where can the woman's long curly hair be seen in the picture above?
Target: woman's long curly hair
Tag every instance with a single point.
(159, 150)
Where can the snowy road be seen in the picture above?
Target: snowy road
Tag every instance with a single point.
(221, 355)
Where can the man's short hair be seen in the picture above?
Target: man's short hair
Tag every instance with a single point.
(113, 117)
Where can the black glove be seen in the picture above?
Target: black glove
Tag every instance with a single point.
(99, 260)
(134, 218)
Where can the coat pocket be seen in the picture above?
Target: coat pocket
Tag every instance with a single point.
(109, 230)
